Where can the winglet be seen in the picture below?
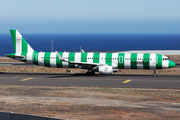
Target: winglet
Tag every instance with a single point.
(82, 51)
(59, 56)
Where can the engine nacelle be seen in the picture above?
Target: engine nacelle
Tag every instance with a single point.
(105, 69)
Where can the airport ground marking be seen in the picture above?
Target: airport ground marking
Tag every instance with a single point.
(126, 81)
(27, 79)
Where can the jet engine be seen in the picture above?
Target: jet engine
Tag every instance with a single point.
(105, 69)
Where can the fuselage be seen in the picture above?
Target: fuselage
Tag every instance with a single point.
(116, 60)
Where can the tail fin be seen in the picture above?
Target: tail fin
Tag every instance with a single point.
(20, 44)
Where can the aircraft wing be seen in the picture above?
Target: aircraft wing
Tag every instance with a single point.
(82, 51)
(79, 63)
(84, 63)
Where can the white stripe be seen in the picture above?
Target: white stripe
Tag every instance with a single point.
(77, 57)
(90, 56)
(29, 55)
(165, 63)
(127, 63)
(139, 59)
(30, 50)
(18, 43)
(41, 58)
(102, 58)
(65, 64)
(152, 64)
(115, 60)
(53, 59)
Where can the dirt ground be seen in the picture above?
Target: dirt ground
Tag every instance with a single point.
(91, 103)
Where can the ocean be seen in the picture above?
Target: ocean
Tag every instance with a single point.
(94, 42)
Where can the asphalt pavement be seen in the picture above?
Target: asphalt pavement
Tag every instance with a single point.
(69, 79)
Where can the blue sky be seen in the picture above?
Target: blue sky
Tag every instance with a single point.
(90, 16)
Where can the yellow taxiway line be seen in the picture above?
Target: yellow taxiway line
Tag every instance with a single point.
(126, 81)
(27, 79)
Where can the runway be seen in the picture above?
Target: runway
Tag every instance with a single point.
(68, 79)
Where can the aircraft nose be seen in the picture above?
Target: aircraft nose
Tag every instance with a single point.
(171, 64)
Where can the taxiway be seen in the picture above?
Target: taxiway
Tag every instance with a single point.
(69, 79)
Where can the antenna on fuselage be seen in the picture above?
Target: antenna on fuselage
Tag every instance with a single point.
(51, 45)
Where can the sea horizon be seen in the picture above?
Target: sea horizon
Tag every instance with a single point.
(94, 42)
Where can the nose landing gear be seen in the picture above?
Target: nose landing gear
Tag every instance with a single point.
(155, 73)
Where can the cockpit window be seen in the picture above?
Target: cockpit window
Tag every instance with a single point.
(165, 58)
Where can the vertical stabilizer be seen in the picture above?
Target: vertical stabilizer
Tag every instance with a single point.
(20, 44)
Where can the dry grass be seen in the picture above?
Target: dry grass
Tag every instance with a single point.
(172, 71)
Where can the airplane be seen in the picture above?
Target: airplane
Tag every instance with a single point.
(104, 63)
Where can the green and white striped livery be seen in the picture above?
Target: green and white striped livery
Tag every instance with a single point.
(104, 63)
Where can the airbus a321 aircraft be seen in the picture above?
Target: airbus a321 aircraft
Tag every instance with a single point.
(104, 63)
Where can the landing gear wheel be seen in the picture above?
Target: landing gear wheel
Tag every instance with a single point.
(155, 73)
(88, 73)
(92, 72)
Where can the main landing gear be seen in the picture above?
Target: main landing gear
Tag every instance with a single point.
(90, 73)
(155, 73)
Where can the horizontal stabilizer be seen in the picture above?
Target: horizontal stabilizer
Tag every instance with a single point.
(16, 56)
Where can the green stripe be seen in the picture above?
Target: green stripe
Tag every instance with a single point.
(109, 59)
(35, 58)
(71, 58)
(83, 57)
(24, 46)
(59, 62)
(133, 60)
(159, 64)
(13, 36)
(121, 60)
(146, 60)
(47, 59)
(96, 57)
(11, 55)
